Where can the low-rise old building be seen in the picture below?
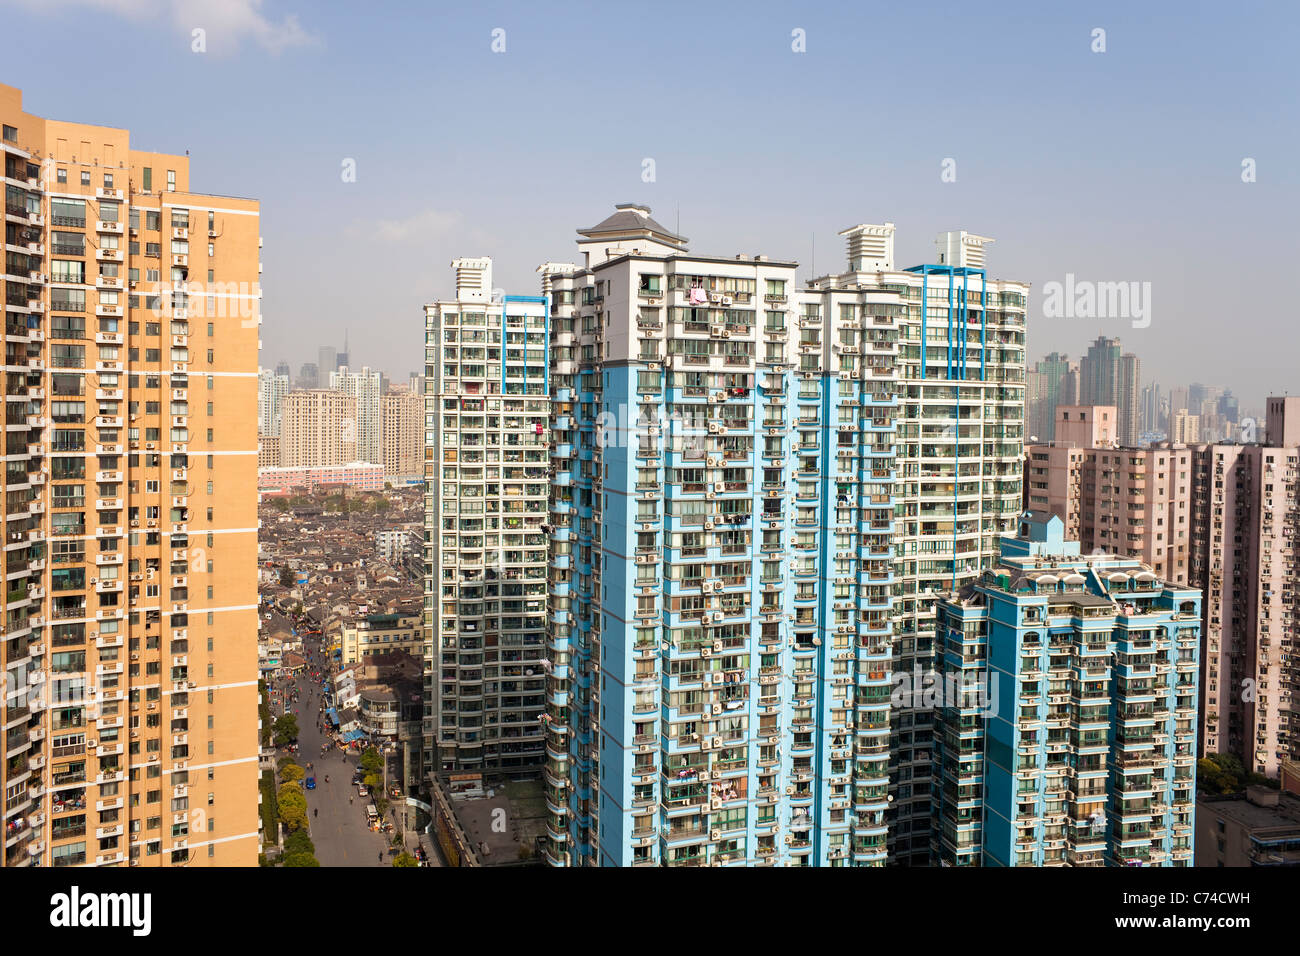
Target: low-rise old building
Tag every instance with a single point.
(1260, 827)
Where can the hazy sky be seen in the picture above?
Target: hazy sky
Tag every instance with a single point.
(1124, 165)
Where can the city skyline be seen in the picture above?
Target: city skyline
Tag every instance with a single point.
(1066, 155)
(851, 437)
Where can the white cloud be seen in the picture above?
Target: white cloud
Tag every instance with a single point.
(227, 22)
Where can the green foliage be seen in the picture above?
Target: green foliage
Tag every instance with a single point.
(293, 806)
(291, 773)
(300, 859)
(404, 859)
(264, 712)
(286, 729)
(372, 761)
(1221, 773)
(299, 842)
(270, 806)
(373, 781)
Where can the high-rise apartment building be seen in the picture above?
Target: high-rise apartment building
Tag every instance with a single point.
(129, 655)
(1080, 749)
(402, 425)
(486, 476)
(1184, 428)
(309, 376)
(1135, 502)
(1048, 385)
(1128, 398)
(318, 427)
(1150, 420)
(272, 388)
(366, 388)
(1110, 377)
(1247, 535)
(757, 492)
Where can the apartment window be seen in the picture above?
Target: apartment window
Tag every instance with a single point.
(61, 175)
(85, 177)
(68, 212)
(171, 180)
(10, 133)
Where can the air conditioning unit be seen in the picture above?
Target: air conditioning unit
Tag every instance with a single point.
(715, 835)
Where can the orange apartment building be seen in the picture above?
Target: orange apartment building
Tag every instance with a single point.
(402, 424)
(1246, 560)
(1131, 501)
(129, 655)
(318, 427)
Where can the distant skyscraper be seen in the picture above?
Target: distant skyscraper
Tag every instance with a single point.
(327, 363)
(1149, 416)
(282, 368)
(366, 388)
(1184, 427)
(1045, 385)
(309, 376)
(1109, 377)
(1128, 399)
(1229, 410)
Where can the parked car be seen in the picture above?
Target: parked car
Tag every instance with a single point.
(310, 783)
(362, 791)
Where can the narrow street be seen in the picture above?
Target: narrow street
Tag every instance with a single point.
(336, 813)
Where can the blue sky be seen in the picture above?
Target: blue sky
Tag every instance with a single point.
(1115, 166)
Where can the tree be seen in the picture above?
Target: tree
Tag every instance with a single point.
(286, 577)
(299, 842)
(373, 781)
(293, 807)
(404, 859)
(300, 859)
(1221, 773)
(372, 761)
(292, 773)
(286, 729)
